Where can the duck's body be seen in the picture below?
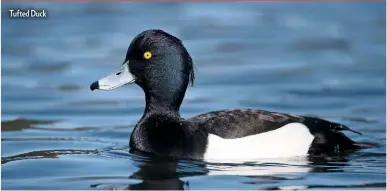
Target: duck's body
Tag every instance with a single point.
(161, 66)
(238, 134)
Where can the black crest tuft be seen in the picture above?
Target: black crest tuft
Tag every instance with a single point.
(191, 71)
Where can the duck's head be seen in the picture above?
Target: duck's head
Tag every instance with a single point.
(159, 63)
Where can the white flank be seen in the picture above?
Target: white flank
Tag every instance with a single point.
(293, 139)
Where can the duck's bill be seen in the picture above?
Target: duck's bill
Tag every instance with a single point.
(115, 80)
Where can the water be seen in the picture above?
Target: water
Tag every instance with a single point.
(322, 59)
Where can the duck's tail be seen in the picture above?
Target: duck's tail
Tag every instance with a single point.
(330, 138)
(353, 144)
(364, 145)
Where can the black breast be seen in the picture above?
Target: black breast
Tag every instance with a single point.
(169, 136)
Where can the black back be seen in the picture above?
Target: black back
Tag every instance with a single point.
(230, 124)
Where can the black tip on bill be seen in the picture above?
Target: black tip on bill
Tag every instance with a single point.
(94, 86)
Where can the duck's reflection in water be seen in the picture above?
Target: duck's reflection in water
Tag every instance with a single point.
(163, 174)
(166, 174)
(159, 173)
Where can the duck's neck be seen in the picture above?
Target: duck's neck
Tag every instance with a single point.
(164, 102)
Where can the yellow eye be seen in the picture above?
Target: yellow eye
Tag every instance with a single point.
(147, 55)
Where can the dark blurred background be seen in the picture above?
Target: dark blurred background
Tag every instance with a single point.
(321, 59)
